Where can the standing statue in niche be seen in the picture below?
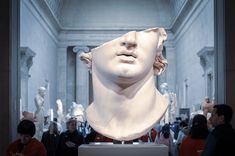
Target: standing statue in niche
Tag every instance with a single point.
(170, 114)
(126, 102)
(39, 113)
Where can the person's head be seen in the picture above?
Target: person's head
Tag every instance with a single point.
(131, 57)
(71, 124)
(53, 128)
(221, 114)
(207, 99)
(183, 124)
(199, 128)
(26, 130)
(28, 116)
(166, 130)
(42, 91)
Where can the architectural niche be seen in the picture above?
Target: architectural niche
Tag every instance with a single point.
(26, 61)
(206, 56)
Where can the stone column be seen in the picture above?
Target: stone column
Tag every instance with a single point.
(61, 75)
(82, 78)
(26, 61)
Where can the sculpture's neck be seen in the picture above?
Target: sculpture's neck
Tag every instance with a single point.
(133, 101)
(120, 111)
(113, 96)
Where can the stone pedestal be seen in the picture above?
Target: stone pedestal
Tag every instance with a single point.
(109, 149)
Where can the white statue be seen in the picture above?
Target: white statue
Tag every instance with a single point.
(126, 102)
(78, 112)
(39, 113)
(39, 103)
(59, 111)
(173, 107)
(207, 107)
(170, 114)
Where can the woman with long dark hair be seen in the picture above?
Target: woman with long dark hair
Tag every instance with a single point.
(50, 139)
(194, 143)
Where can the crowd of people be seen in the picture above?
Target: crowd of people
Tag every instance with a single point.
(203, 136)
(52, 143)
(192, 138)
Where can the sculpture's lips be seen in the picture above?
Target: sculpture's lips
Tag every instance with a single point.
(127, 58)
(127, 54)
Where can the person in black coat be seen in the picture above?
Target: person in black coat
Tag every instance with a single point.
(221, 141)
(70, 140)
(50, 139)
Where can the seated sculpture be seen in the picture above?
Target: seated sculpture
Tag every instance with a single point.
(126, 102)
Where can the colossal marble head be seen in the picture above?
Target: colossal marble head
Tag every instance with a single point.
(123, 73)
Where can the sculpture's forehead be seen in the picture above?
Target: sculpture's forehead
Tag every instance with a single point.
(119, 38)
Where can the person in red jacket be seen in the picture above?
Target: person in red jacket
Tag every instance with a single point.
(26, 145)
(195, 141)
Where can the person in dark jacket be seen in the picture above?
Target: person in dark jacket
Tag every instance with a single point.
(50, 139)
(70, 140)
(221, 141)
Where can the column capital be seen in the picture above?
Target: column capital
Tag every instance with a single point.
(206, 55)
(26, 59)
(79, 49)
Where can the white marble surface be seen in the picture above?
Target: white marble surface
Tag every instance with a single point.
(126, 102)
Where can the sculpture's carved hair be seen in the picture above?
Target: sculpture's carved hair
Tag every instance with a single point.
(160, 63)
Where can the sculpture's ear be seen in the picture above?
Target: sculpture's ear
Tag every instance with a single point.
(87, 59)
